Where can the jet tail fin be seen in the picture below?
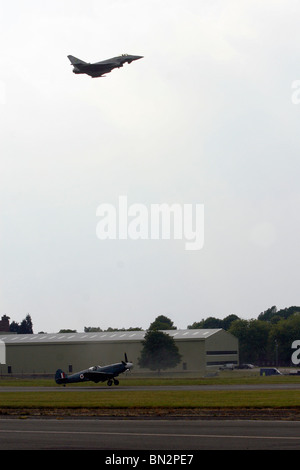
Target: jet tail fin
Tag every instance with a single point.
(75, 61)
(60, 376)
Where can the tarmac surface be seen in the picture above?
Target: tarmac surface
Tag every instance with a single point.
(147, 435)
(187, 430)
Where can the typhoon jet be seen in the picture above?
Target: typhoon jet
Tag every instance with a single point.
(98, 69)
(95, 374)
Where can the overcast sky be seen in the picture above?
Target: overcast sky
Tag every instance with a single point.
(206, 117)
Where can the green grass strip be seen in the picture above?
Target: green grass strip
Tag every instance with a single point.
(147, 399)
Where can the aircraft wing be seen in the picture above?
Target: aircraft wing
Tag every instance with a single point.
(96, 70)
(98, 376)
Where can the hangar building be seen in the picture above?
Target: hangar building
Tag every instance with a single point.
(202, 351)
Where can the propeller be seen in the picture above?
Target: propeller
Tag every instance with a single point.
(128, 365)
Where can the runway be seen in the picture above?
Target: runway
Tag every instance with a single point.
(147, 435)
(126, 388)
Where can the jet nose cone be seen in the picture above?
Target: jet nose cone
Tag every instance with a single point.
(137, 57)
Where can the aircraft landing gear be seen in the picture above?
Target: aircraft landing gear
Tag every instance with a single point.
(110, 382)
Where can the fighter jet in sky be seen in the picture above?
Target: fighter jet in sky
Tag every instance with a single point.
(98, 69)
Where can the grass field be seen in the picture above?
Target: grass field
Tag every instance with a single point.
(223, 378)
(148, 399)
(139, 399)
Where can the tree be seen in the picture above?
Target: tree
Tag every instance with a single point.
(92, 329)
(97, 329)
(258, 334)
(227, 321)
(14, 327)
(159, 351)
(268, 314)
(272, 314)
(212, 322)
(162, 323)
(25, 327)
(239, 328)
(253, 339)
(67, 330)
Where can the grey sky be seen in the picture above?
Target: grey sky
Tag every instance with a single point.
(206, 117)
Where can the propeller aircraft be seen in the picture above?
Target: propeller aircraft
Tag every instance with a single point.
(95, 374)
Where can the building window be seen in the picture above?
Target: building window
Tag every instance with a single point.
(184, 366)
(70, 368)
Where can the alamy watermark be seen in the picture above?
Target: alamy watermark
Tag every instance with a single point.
(295, 97)
(296, 354)
(2, 92)
(156, 222)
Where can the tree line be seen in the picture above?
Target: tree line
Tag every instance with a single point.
(266, 340)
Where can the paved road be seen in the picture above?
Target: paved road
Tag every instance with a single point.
(148, 435)
(121, 388)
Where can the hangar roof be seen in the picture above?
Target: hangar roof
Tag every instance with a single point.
(101, 336)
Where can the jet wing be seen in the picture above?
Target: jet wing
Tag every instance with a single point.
(96, 70)
(98, 376)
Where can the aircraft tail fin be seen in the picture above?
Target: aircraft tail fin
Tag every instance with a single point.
(60, 376)
(75, 61)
